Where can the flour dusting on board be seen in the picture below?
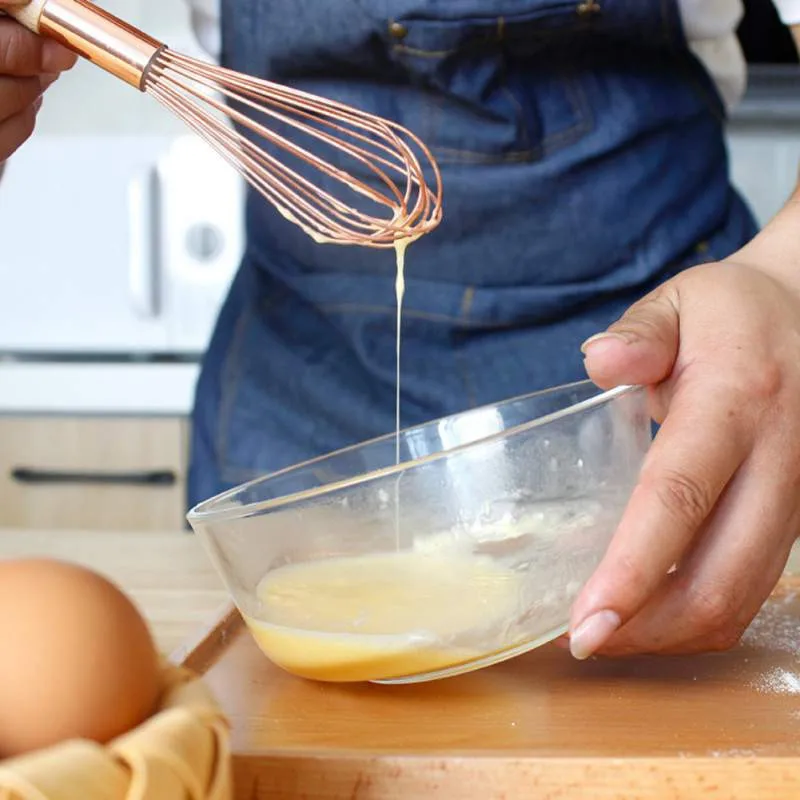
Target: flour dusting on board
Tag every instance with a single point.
(777, 628)
(733, 752)
(779, 681)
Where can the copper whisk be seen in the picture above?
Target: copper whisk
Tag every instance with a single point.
(370, 190)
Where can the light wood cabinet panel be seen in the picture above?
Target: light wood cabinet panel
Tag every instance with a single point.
(93, 473)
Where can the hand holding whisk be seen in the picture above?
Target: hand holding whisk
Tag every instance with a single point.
(371, 191)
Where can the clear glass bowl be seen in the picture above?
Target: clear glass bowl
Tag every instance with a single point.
(471, 550)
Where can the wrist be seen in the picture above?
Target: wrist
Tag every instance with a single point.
(775, 250)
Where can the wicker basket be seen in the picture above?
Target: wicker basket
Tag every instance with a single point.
(181, 753)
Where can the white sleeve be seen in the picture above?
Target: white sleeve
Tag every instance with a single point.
(205, 18)
(789, 11)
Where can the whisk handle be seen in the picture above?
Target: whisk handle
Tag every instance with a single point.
(27, 15)
(117, 47)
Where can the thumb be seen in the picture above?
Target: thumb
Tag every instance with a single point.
(641, 347)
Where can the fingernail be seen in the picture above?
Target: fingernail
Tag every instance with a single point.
(593, 633)
(606, 335)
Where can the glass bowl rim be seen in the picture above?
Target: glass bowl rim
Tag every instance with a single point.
(208, 511)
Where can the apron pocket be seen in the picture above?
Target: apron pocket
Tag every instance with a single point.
(493, 88)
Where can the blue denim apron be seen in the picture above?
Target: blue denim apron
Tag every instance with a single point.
(582, 152)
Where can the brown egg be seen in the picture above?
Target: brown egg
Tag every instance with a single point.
(76, 658)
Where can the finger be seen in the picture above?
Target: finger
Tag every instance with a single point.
(679, 484)
(725, 578)
(47, 79)
(641, 347)
(15, 130)
(695, 612)
(24, 54)
(17, 94)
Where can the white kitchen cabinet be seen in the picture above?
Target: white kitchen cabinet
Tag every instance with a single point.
(120, 230)
(76, 267)
(115, 244)
(93, 473)
(200, 241)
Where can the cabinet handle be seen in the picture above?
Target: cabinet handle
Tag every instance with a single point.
(143, 267)
(43, 476)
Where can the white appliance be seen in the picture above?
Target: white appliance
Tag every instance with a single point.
(115, 245)
(114, 250)
(119, 235)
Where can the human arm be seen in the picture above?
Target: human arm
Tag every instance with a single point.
(719, 493)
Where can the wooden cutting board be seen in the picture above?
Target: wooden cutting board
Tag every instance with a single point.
(542, 725)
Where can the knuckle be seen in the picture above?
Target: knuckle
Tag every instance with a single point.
(645, 318)
(15, 132)
(724, 639)
(630, 573)
(17, 94)
(19, 50)
(684, 496)
(28, 124)
(766, 381)
(757, 383)
(713, 614)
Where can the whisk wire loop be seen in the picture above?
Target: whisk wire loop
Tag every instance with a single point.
(380, 154)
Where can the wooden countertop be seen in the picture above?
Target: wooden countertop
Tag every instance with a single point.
(168, 575)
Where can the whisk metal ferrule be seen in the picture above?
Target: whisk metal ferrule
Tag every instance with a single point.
(100, 37)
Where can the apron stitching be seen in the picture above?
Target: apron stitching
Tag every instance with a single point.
(426, 316)
(466, 379)
(364, 308)
(483, 43)
(525, 136)
(562, 137)
(583, 111)
(584, 124)
(466, 302)
(476, 157)
(404, 49)
(705, 251)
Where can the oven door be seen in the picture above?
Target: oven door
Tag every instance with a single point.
(115, 245)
